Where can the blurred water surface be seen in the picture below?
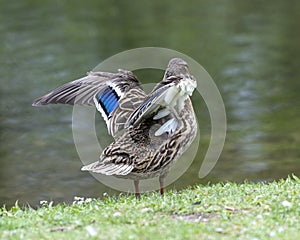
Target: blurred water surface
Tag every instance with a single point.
(250, 48)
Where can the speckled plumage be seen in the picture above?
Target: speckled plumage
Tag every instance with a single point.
(150, 131)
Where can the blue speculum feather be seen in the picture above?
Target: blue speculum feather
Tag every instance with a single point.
(108, 100)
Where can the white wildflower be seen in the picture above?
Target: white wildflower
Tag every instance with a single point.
(117, 214)
(219, 230)
(91, 231)
(145, 210)
(76, 198)
(286, 203)
(43, 202)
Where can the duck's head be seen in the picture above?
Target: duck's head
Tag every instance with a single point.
(179, 68)
(176, 67)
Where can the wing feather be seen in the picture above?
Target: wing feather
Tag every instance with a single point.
(161, 97)
(82, 91)
(107, 91)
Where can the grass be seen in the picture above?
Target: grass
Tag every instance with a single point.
(220, 211)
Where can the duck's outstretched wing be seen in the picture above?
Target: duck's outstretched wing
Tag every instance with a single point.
(159, 101)
(167, 98)
(115, 96)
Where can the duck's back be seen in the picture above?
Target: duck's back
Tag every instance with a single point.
(140, 154)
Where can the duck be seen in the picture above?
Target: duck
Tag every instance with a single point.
(150, 131)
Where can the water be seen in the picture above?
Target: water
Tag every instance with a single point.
(250, 48)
